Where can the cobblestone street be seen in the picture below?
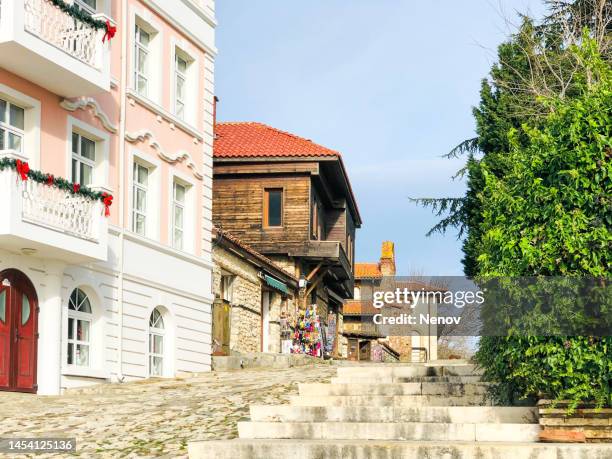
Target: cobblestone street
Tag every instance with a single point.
(152, 417)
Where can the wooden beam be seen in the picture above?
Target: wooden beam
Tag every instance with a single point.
(314, 271)
(316, 282)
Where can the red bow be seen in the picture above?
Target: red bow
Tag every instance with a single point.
(22, 169)
(111, 30)
(76, 187)
(50, 179)
(107, 199)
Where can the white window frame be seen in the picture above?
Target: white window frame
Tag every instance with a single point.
(183, 206)
(186, 52)
(74, 341)
(161, 332)
(189, 211)
(80, 159)
(180, 75)
(8, 128)
(144, 188)
(85, 7)
(144, 19)
(152, 226)
(32, 123)
(139, 49)
(100, 177)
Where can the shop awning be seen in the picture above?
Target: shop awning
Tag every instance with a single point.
(275, 284)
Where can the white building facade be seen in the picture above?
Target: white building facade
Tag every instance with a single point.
(87, 297)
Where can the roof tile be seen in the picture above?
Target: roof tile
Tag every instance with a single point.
(249, 139)
(367, 270)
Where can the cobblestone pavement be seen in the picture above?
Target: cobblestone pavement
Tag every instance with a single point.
(155, 417)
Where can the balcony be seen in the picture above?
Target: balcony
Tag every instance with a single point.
(50, 48)
(47, 222)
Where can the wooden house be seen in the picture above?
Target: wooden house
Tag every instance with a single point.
(291, 200)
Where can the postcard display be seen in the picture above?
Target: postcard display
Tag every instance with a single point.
(308, 337)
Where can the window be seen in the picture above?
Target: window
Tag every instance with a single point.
(178, 215)
(180, 78)
(79, 326)
(139, 199)
(273, 207)
(156, 343)
(316, 219)
(83, 159)
(88, 6)
(12, 123)
(141, 61)
(227, 288)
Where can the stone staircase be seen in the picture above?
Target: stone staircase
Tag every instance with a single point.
(393, 411)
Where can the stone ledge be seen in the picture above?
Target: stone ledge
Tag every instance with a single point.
(263, 360)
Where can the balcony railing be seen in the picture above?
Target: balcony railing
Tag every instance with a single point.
(58, 209)
(50, 221)
(74, 37)
(57, 51)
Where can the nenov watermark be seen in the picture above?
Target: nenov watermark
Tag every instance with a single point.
(412, 298)
(458, 306)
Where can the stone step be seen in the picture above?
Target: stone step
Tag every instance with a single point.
(393, 379)
(412, 370)
(403, 401)
(362, 449)
(389, 389)
(443, 414)
(390, 431)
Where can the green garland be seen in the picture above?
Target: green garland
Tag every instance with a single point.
(61, 183)
(74, 11)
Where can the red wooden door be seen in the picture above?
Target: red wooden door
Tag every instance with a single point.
(18, 332)
(5, 334)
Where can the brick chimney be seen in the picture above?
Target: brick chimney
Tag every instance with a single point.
(387, 259)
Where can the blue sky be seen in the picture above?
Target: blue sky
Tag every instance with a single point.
(389, 83)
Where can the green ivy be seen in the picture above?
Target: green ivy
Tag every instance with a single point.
(58, 182)
(77, 13)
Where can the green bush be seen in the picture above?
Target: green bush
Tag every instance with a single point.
(551, 215)
(578, 369)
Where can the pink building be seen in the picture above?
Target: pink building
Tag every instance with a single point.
(86, 297)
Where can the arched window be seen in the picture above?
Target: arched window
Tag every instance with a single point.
(156, 343)
(79, 328)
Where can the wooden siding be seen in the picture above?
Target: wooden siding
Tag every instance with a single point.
(238, 205)
(336, 226)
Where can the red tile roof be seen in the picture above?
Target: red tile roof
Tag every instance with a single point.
(359, 308)
(367, 271)
(248, 139)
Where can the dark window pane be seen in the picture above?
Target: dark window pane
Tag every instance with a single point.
(3, 306)
(25, 310)
(17, 115)
(75, 143)
(275, 207)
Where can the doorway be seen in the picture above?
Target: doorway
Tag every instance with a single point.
(265, 321)
(18, 332)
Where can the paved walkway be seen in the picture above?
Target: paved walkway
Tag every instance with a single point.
(153, 417)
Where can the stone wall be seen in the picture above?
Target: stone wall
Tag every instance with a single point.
(246, 305)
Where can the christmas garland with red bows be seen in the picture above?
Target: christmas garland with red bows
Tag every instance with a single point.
(83, 16)
(25, 173)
